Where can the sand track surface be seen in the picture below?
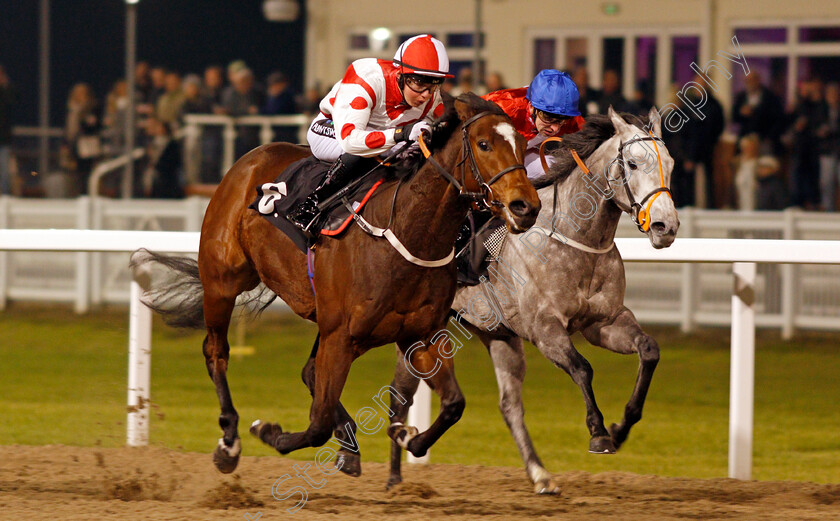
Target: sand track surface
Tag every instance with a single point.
(77, 483)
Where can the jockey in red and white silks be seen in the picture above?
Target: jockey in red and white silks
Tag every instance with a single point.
(364, 113)
(547, 107)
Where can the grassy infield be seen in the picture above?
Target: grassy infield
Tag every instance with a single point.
(63, 381)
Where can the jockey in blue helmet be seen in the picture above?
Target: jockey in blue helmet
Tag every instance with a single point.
(547, 107)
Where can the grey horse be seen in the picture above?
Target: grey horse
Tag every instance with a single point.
(565, 275)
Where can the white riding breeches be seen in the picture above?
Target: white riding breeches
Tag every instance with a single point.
(322, 141)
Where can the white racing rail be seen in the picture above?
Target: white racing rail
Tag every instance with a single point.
(744, 253)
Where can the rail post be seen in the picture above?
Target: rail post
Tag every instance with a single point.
(742, 371)
(139, 360)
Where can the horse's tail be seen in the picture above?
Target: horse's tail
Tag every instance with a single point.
(180, 299)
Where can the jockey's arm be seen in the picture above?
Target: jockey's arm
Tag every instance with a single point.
(351, 113)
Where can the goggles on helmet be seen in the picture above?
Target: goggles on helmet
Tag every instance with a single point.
(421, 84)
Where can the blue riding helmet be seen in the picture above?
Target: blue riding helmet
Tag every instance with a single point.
(554, 92)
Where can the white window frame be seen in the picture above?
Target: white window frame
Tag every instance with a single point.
(595, 36)
(792, 49)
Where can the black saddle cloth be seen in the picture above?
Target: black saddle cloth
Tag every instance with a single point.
(295, 183)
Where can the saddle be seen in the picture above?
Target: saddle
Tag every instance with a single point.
(299, 180)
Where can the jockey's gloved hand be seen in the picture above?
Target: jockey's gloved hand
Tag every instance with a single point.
(412, 131)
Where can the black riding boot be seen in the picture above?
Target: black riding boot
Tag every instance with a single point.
(305, 214)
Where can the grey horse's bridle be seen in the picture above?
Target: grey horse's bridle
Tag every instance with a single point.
(638, 212)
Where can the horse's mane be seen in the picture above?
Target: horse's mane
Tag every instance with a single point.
(444, 126)
(598, 128)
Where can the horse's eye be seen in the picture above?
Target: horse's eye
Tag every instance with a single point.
(632, 165)
(484, 145)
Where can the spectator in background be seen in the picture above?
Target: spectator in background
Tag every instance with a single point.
(194, 103)
(156, 89)
(116, 105)
(170, 104)
(640, 104)
(280, 100)
(311, 100)
(161, 179)
(495, 82)
(7, 102)
(757, 110)
(771, 194)
(243, 100)
(746, 165)
(214, 83)
(466, 83)
(611, 93)
(211, 137)
(82, 143)
(805, 164)
(589, 97)
(158, 76)
(702, 135)
(143, 82)
(828, 135)
(194, 100)
(682, 182)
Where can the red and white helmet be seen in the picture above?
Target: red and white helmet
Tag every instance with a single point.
(423, 55)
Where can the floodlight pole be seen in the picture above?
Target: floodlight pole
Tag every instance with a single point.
(44, 88)
(131, 81)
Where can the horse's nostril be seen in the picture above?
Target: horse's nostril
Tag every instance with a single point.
(658, 228)
(519, 208)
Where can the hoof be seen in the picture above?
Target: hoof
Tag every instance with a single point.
(414, 450)
(349, 462)
(393, 480)
(601, 445)
(227, 458)
(547, 487)
(267, 432)
(402, 434)
(617, 435)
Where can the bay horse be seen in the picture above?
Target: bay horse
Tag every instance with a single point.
(575, 279)
(364, 293)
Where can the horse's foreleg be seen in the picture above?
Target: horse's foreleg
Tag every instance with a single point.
(624, 335)
(332, 365)
(560, 350)
(405, 385)
(509, 363)
(438, 371)
(217, 312)
(346, 461)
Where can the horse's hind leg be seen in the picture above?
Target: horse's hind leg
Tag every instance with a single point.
(438, 371)
(509, 364)
(556, 345)
(217, 313)
(624, 335)
(347, 461)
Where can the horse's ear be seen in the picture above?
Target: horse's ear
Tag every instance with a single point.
(465, 106)
(655, 122)
(617, 121)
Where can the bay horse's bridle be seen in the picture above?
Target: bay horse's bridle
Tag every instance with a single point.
(639, 213)
(485, 195)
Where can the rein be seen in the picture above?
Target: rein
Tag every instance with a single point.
(485, 195)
